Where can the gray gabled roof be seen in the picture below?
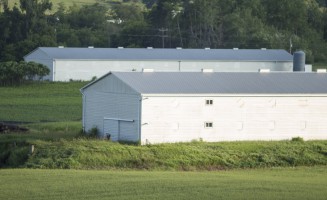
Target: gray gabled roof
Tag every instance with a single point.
(164, 54)
(223, 82)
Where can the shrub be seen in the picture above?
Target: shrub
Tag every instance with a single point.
(13, 73)
(93, 133)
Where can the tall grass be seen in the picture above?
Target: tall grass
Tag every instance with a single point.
(94, 154)
(61, 145)
(15, 147)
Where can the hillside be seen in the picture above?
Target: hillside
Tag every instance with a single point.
(41, 102)
(218, 24)
(67, 4)
(52, 151)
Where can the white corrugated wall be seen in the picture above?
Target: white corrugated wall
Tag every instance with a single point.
(182, 119)
(86, 69)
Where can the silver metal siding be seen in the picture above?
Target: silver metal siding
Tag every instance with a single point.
(111, 127)
(41, 57)
(128, 131)
(38, 54)
(166, 54)
(116, 101)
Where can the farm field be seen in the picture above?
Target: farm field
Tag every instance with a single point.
(42, 102)
(278, 183)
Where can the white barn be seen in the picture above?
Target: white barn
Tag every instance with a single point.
(85, 63)
(159, 107)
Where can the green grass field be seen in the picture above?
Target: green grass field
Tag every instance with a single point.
(286, 183)
(42, 102)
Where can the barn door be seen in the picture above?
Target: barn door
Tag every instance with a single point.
(111, 127)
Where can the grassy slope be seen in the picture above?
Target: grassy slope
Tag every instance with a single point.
(292, 183)
(57, 146)
(94, 154)
(41, 102)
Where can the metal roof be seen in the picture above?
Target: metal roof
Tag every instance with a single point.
(165, 54)
(223, 82)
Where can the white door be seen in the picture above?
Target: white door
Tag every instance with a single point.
(111, 128)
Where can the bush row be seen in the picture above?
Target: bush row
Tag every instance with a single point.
(15, 73)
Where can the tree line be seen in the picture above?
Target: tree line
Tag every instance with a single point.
(277, 24)
(16, 73)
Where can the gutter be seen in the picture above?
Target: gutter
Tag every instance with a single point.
(83, 108)
(140, 117)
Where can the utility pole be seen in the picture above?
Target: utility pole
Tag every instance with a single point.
(163, 35)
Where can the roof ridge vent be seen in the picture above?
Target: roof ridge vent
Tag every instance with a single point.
(321, 70)
(61, 47)
(179, 48)
(264, 70)
(90, 47)
(263, 49)
(235, 49)
(148, 70)
(120, 47)
(207, 70)
(207, 48)
(149, 47)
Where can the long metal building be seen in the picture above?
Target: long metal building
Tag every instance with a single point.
(85, 63)
(158, 107)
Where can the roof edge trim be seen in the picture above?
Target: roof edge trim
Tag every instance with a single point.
(232, 95)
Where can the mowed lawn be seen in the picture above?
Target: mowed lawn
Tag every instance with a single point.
(42, 102)
(283, 183)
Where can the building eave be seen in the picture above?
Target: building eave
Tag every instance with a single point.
(233, 95)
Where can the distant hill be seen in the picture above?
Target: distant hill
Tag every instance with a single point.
(72, 2)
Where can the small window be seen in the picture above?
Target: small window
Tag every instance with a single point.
(208, 124)
(209, 102)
